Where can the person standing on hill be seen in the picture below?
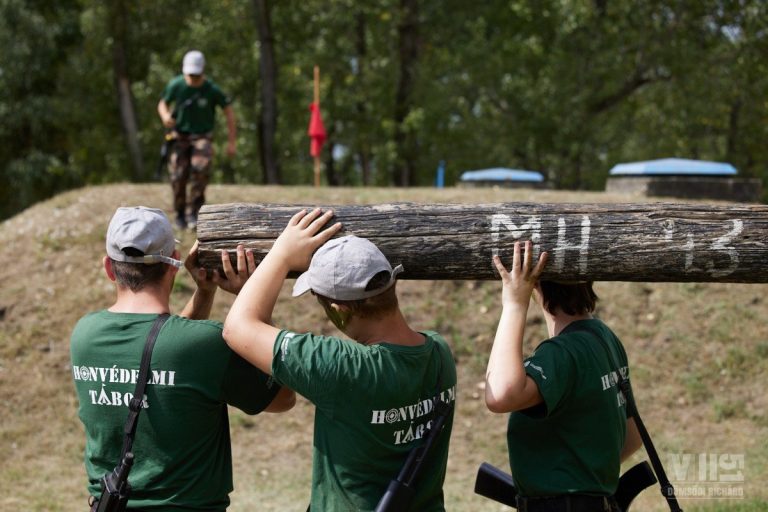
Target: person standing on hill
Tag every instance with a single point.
(183, 458)
(377, 397)
(194, 98)
(568, 429)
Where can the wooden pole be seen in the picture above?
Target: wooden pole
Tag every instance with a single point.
(598, 242)
(317, 103)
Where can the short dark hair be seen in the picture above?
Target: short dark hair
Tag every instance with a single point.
(137, 276)
(571, 299)
(375, 306)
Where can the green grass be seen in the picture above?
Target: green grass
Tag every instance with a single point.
(698, 353)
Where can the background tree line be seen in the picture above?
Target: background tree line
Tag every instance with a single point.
(568, 88)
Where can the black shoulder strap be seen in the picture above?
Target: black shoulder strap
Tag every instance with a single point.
(180, 107)
(667, 490)
(141, 384)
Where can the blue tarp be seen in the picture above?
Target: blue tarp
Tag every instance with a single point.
(502, 174)
(674, 166)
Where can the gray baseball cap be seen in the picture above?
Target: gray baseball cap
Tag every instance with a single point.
(342, 268)
(145, 229)
(194, 63)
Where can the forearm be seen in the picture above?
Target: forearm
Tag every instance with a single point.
(231, 125)
(505, 378)
(199, 305)
(247, 328)
(632, 441)
(163, 111)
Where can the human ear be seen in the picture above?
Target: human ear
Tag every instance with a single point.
(338, 314)
(537, 294)
(177, 256)
(107, 262)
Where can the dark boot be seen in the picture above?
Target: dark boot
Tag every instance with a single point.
(181, 220)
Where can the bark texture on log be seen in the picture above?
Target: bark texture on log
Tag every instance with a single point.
(598, 242)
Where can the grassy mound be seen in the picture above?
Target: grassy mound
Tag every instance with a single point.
(699, 357)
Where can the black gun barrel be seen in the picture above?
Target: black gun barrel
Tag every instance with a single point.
(420, 454)
(401, 490)
(121, 471)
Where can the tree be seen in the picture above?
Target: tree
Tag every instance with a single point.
(409, 44)
(268, 121)
(118, 18)
(35, 40)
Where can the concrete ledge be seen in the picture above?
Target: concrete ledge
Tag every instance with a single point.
(745, 190)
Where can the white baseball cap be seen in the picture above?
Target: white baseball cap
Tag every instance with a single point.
(144, 229)
(342, 268)
(194, 63)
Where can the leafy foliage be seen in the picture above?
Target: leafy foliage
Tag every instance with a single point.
(568, 88)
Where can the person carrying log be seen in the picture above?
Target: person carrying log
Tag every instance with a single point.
(182, 458)
(568, 430)
(376, 397)
(195, 99)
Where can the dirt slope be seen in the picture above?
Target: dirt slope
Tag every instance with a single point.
(699, 354)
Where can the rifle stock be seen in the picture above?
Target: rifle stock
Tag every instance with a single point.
(493, 483)
(165, 152)
(634, 481)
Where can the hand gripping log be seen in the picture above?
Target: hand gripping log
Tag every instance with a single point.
(651, 242)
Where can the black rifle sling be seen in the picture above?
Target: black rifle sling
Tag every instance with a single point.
(440, 411)
(180, 107)
(667, 490)
(141, 385)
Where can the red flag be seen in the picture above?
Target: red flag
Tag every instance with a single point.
(316, 130)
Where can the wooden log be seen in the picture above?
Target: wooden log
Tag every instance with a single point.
(598, 242)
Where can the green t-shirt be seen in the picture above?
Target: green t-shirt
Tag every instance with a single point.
(572, 442)
(373, 403)
(182, 449)
(196, 116)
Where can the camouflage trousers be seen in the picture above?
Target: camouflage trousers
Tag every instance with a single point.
(190, 163)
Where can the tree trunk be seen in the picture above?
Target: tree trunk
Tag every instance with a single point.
(405, 143)
(330, 164)
(331, 174)
(596, 242)
(733, 132)
(122, 82)
(363, 146)
(268, 68)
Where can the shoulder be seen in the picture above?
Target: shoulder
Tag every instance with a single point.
(438, 340)
(176, 83)
(89, 317)
(203, 327)
(201, 341)
(212, 86)
(434, 336)
(292, 343)
(212, 89)
(581, 333)
(560, 353)
(174, 89)
(85, 324)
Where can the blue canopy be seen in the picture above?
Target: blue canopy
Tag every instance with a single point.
(502, 174)
(673, 166)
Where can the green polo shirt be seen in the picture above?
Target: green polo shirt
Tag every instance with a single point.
(195, 107)
(182, 449)
(373, 405)
(571, 443)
